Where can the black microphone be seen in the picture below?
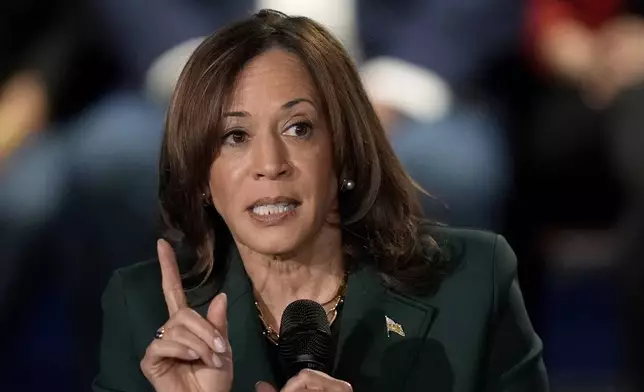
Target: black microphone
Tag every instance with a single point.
(305, 340)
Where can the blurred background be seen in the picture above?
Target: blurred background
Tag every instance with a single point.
(525, 117)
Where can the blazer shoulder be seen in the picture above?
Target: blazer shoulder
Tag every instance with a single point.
(481, 245)
(145, 269)
(477, 256)
(455, 234)
(140, 277)
(139, 287)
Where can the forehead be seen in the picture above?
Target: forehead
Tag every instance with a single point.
(276, 76)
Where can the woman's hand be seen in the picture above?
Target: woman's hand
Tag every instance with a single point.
(192, 354)
(308, 380)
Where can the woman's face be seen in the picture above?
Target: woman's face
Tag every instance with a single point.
(272, 180)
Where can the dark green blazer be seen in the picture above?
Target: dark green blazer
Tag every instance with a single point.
(473, 334)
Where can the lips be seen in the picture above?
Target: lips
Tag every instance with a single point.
(274, 202)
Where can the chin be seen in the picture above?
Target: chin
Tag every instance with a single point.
(275, 240)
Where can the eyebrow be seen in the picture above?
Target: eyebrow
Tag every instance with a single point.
(287, 105)
(296, 101)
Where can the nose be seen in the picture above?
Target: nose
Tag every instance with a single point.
(270, 158)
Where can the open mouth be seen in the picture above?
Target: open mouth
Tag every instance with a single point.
(273, 209)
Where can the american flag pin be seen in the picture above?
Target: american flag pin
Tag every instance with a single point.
(394, 327)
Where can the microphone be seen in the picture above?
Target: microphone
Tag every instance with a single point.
(305, 338)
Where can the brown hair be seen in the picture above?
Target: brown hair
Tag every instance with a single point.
(380, 216)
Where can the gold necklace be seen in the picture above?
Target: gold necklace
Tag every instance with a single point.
(332, 313)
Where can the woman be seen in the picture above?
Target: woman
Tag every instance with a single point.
(277, 175)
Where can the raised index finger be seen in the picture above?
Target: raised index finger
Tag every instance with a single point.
(175, 298)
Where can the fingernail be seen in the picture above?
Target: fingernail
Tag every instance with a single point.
(263, 386)
(224, 298)
(193, 354)
(220, 347)
(217, 361)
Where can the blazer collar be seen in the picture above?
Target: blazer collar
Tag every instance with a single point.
(368, 356)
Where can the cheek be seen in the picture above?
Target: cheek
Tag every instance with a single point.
(327, 167)
(321, 173)
(224, 184)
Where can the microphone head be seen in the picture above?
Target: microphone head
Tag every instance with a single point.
(305, 338)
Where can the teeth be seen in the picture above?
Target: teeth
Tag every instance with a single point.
(270, 209)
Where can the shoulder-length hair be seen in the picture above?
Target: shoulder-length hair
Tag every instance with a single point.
(380, 216)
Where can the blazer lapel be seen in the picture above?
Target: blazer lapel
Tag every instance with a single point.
(244, 329)
(373, 354)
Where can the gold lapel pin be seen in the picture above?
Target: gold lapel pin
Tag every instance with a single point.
(394, 327)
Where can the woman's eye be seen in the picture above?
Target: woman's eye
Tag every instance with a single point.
(235, 138)
(300, 130)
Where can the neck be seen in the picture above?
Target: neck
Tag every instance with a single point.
(314, 272)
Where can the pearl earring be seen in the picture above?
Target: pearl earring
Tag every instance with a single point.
(347, 185)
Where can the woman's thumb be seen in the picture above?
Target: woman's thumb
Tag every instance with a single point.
(263, 386)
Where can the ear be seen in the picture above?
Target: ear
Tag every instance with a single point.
(206, 197)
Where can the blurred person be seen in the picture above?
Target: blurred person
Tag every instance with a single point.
(276, 173)
(43, 83)
(588, 124)
(429, 67)
(51, 68)
(64, 226)
(39, 46)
